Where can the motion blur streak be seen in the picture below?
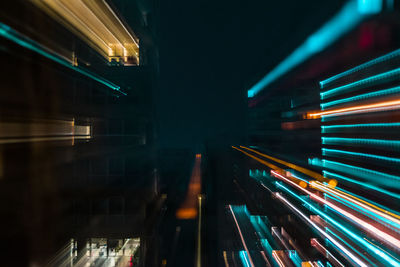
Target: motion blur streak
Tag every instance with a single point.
(188, 209)
(241, 236)
(97, 24)
(377, 251)
(347, 18)
(363, 66)
(12, 35)
(374, 80)
(381, 106)
(320, 230)
(326, 253)
(315, 175)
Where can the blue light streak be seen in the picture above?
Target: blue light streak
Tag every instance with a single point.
(12, 35)
(368, 64)
(369, 6)
(347, 244)
(243, 258)
(377, 143)
(335, 128)
(373, 80)
(339, 177)
(376, 251)
(384, 179)
(392, 225)
(338, 153)
(345, 20)
(389, 91)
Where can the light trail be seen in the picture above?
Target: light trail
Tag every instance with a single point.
(380, 106)
(361, 223)
(315, 175)
(375, 250)
(241, 236)
(321, 231)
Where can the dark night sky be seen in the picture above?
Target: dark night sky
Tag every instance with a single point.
(212, 51)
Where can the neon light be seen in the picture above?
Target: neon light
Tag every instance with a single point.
(325, 252)
(337, 153)
(341, 23)
(364, 211)
(383, 178)
(321, 231)
(378, 189)
(362, 205)
(277, 259)
(308, 172)
(390, 91)
(381, 106)
(359, 253)
(241, 236)
(369, 6)
(384, 236)
(14, 36)
(243, 258)
(368, 64)
(373, 80)
(361, 141)
(377, 251)
(335, 128)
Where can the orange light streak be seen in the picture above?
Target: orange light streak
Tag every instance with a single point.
(188, 209)
(315, 175)
(362, 223)
(358, 109)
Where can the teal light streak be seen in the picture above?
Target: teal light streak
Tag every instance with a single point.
(337, 153)
(394, 226)
(375, 176)
(373, 80)
(379, 143)
(346, 19)
(347, 244)
(390, 91)
(377, 252)
(334, 128)
(12, 35)
(369, 6)
(243, 258)
(332, 175)
(368, 64)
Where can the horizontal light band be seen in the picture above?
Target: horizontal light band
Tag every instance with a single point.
(12, 35)
(368, 64)
(390, 91)
(371, 175)
(373, 80)
(369, 186)
(381, 106)
(335, 128)
(379, 143)
(337, 153)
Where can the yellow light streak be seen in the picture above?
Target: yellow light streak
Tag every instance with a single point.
(96, 24)
(382, 212)
(315, 175)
